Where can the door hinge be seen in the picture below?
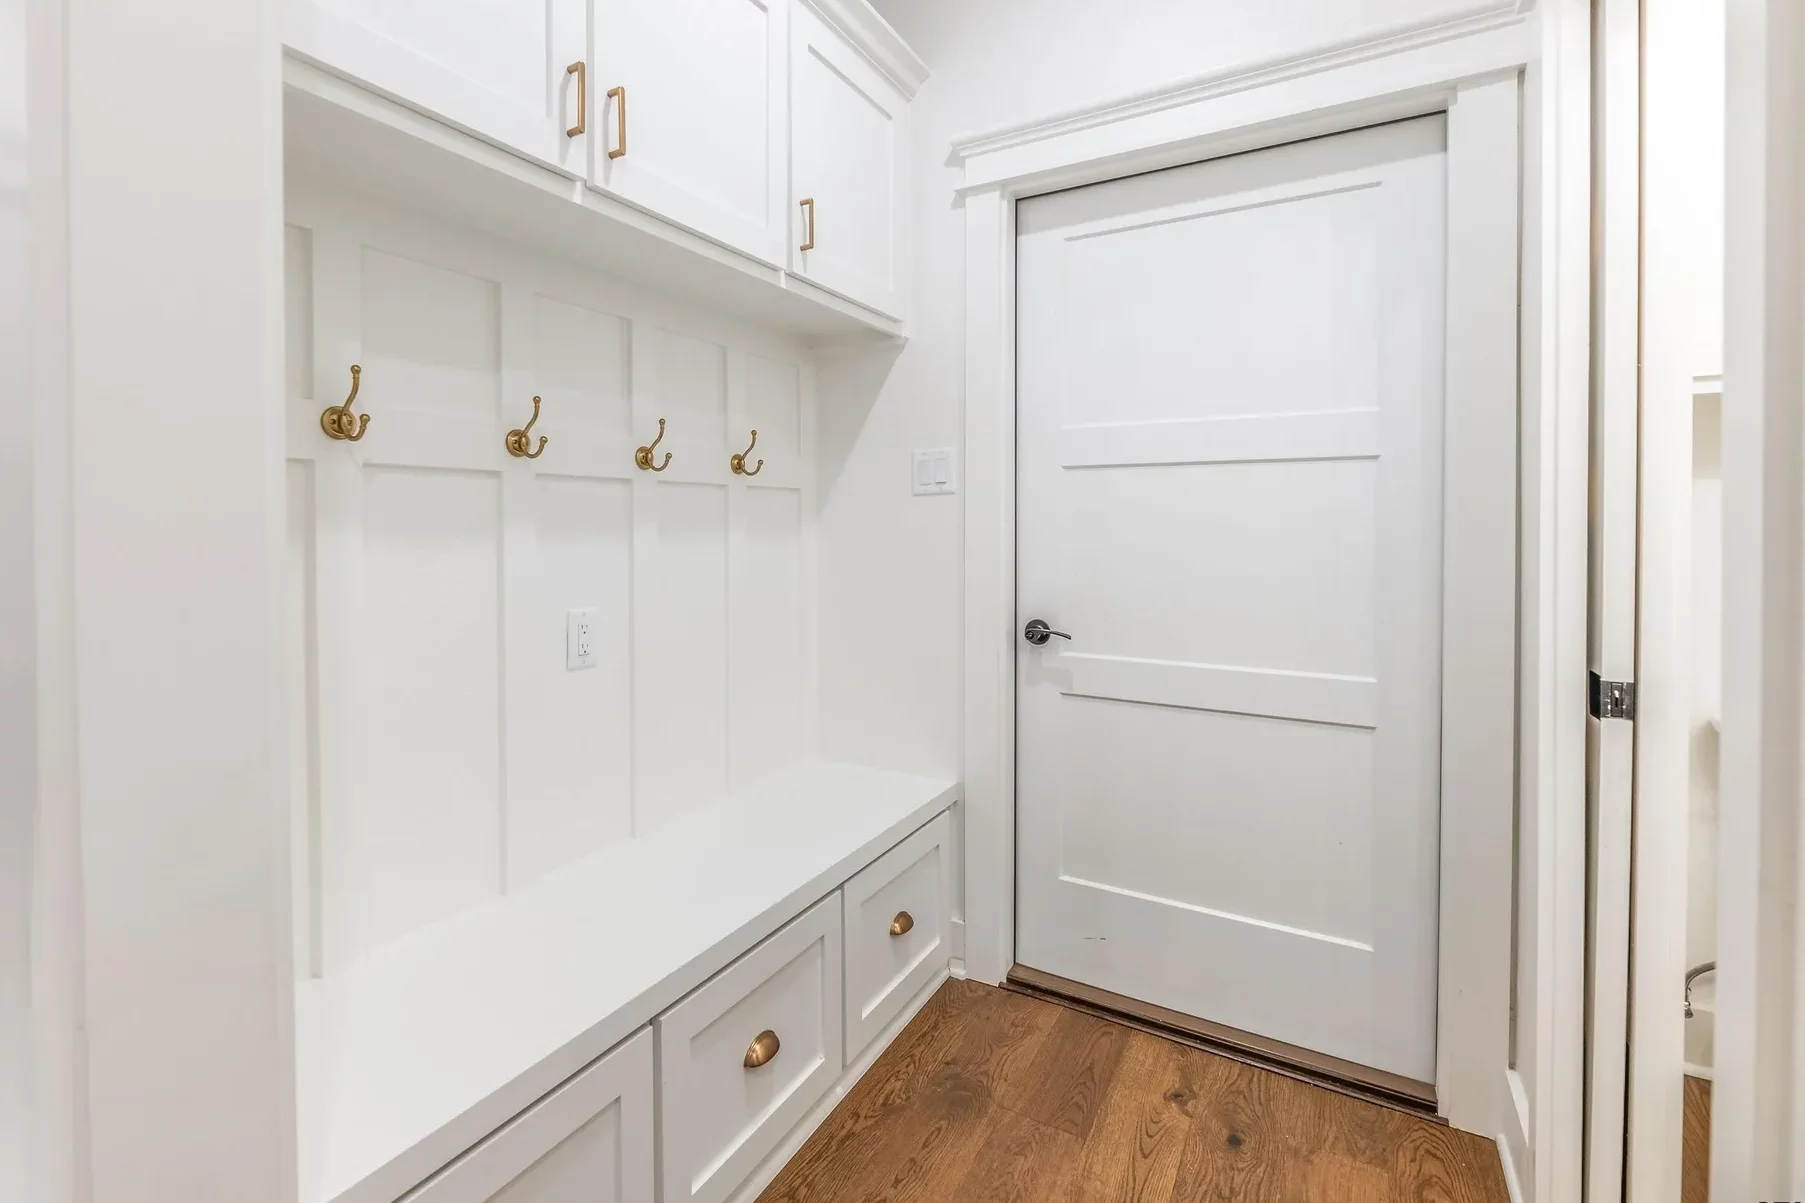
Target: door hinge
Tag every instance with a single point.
(1611, 699)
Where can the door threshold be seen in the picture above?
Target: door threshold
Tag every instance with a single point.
(1346, 1077)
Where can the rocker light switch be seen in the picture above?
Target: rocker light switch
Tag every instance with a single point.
(579, 638)
(934, 472)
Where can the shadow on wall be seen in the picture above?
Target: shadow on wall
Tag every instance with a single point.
(847, 383)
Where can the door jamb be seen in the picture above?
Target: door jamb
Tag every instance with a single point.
(1481, 71)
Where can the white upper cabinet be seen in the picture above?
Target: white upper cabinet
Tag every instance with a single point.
(848, 147)
(497, 68)
(689, 110)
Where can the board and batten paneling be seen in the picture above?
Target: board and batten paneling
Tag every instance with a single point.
(441, 752)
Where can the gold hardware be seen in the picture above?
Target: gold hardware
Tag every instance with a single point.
(738, 462)
(619, 96)
(518, 441)
(763, 1047)
(643, 457)
(808, 202)
(580, 69)
(338, 421)
(903, 924)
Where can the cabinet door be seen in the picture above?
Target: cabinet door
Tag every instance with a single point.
(690, 115)
(497, 68)
(848, 136)
(588, 1141)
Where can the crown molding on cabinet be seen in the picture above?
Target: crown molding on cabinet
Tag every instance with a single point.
(861, 25)
(1478, 19)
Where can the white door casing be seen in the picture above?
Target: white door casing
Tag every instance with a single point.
(1229, 492)
(706, 115)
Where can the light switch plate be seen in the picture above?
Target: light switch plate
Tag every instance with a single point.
(580, 638)
(934, 472)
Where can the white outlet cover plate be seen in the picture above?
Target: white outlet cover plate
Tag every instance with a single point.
(580, 636)
(934, 472)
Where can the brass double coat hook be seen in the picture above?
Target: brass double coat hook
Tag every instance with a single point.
(338, 421)
(519, 441)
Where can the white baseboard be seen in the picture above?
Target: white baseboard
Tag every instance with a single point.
(1511, 1183)
(780, 1156)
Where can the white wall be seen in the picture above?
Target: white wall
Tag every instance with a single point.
(891, 576)
(162, 978)
(441, 752)
(18, 676)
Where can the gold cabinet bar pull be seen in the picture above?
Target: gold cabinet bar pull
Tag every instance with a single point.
(764, 1046)
(338, 421)
(580, 69)
(619, 96)
(519, 442)
(738, 462)
(808, 244)
(903, 924)
(643, 456)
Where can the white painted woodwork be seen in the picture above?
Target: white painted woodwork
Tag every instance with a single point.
(497, 70)
(716, 1118)
(705, 114)
(588, 1141)
(408, 1058)
(441, 751)
(1228, 781)
(849, 143)
(885, 970)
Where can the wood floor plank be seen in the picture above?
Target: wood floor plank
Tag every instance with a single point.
(1132, 1153)
(1021, 1161)
(995, 1097)
(1066, 1083)
(1695, 1142)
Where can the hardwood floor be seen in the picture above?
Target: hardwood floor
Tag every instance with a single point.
(993, 1097)
(1695, 1144)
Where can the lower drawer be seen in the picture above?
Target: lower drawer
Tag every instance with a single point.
(589, 1140)
(742, 1059)
(898, 931)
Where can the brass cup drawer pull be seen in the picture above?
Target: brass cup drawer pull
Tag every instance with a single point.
(903, 924)
(763, 1047)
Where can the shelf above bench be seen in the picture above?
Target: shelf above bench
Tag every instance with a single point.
(411, 1057)
(339, 131)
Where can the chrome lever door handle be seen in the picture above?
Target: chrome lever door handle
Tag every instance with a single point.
(1038, 632)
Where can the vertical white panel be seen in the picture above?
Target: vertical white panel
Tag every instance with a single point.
(774, 407)
(581, 366)
(767, 667)
(299, 634)
(418, 838)
(680, 652)
(297, 278)
(570, 783)
(685, 383)
(431, 337)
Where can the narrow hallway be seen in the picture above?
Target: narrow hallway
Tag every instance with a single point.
(991, 1095)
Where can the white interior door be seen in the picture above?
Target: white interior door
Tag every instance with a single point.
(1229, 495)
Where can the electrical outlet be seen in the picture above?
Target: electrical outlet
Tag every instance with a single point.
(934, 469)
(579, 638)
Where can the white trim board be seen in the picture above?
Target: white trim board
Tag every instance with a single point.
(1470, 68)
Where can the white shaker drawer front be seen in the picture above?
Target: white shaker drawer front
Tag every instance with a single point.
(588, 1141)
(743, 1058)
(898, 931)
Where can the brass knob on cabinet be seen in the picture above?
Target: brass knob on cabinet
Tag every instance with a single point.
(903, 924)
(763, 1047)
